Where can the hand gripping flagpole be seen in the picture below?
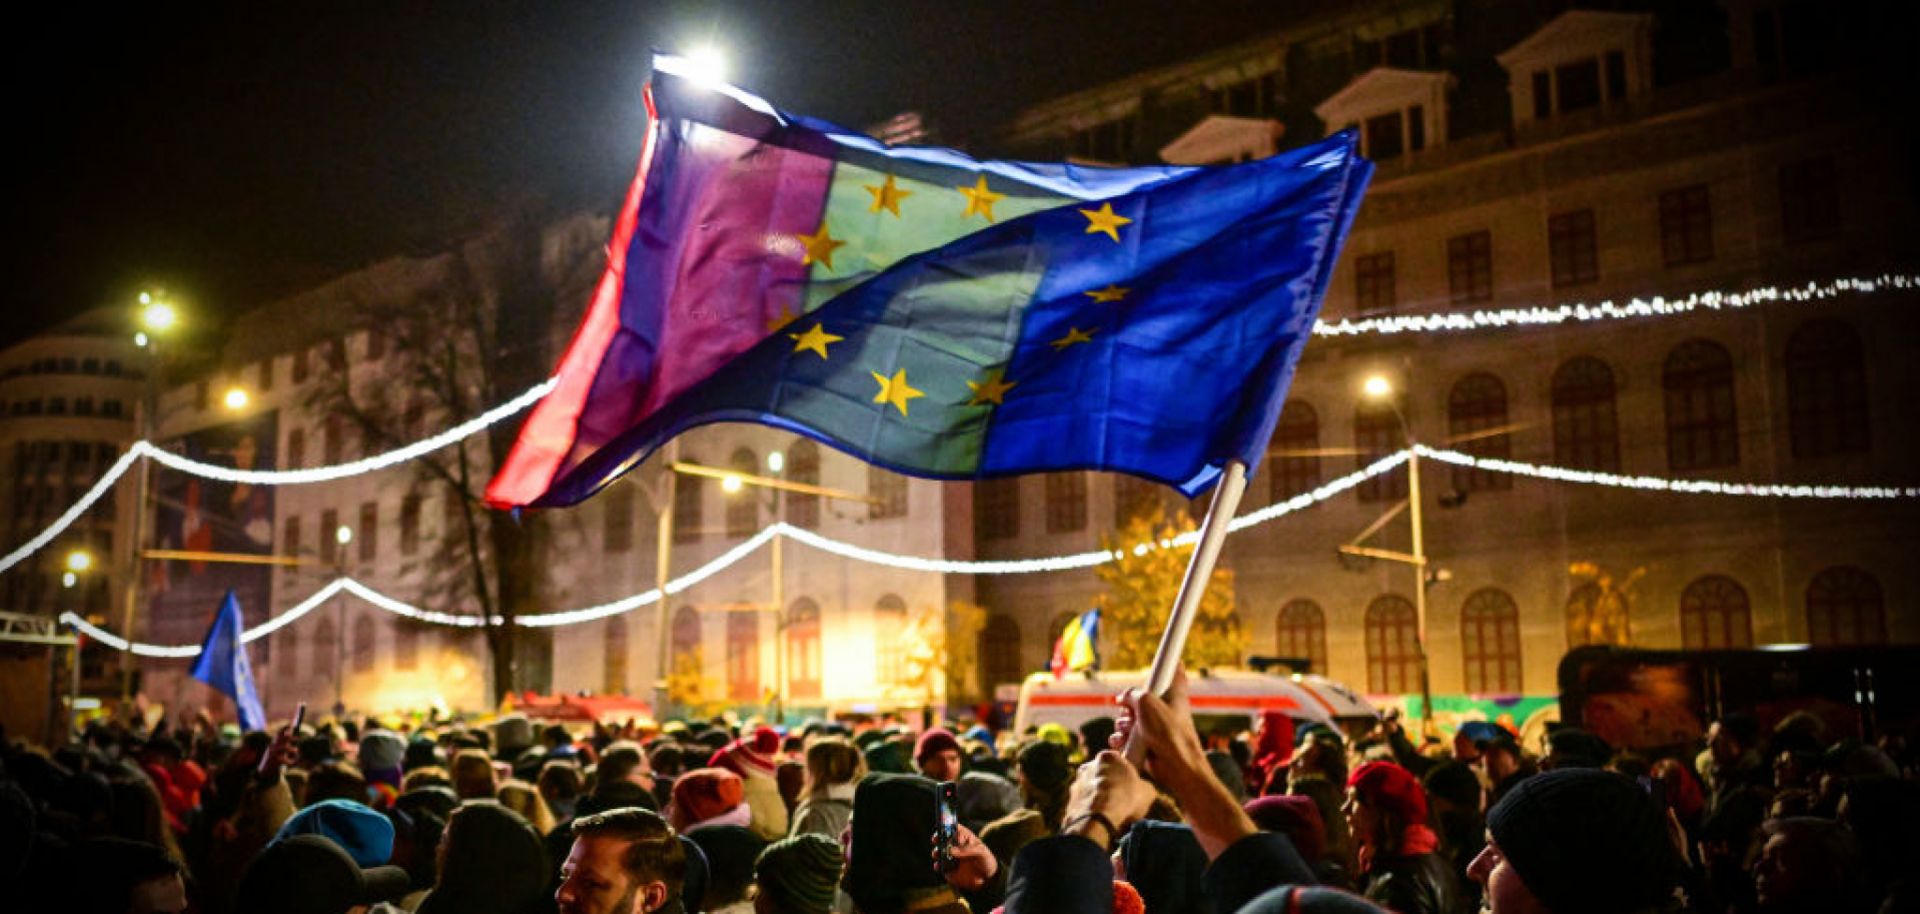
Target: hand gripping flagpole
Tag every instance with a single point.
(1213, 535)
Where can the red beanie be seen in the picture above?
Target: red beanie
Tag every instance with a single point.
(1388, 786)
(703, 793)
(935, 740)
(766, 741)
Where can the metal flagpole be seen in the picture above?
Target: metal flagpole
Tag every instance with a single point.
(1213, 535)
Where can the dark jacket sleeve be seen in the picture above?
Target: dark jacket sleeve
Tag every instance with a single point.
(1407, 755)
(1250, 867)
(1064, 874)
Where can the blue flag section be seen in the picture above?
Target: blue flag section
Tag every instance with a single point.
(223, 664)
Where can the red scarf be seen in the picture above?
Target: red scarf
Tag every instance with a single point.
(1414, 841)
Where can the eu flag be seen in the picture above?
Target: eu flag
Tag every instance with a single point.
(223, 664)
(935, 314)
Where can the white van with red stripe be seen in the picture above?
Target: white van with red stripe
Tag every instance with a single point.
(1221, 699)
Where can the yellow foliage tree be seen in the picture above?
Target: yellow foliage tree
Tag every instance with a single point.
(1141, 587)
(964, 622)
(1600, 606)
(687, 687)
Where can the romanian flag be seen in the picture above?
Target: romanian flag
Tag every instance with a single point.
(938, 315)
(1075, 650)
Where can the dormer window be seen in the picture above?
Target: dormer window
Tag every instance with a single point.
(1111, 141)
(1583, 59)
(1396, 111)
(1256, 97)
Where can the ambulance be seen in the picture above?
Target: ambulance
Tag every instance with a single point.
(1223, 701)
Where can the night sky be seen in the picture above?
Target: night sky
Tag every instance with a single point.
(235, 156)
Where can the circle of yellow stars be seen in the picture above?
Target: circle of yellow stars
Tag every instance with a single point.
(894, 389)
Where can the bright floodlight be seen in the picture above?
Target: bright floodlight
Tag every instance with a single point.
(158, 315)
(140, 338)
(776, 461)
(69, 579)
(146, 298)
(236, 398)
(731, 484)
(343, 534)
(706, 66)
(1378, 387)
(79, 560)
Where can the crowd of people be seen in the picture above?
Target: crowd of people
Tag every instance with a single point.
(1136, 813)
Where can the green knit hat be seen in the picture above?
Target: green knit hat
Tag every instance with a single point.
(799, 873)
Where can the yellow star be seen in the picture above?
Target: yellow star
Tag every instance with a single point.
(1106, 220)
(820, 247)
(894, 390)
(992, 390)
(814, 340)
(1074, 335)
(886, 196)
(1110, 293)
(980, 199)
(782, 319)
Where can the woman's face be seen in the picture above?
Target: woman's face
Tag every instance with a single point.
(1363, 821)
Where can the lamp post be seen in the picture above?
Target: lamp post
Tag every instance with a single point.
(342, 536)
(1379, 389)
(79, 562)
(155, 318)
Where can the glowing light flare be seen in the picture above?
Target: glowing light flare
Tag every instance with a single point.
(706, 66)
(1377, 387)
(236, 398)
(79, 560)
(731, 484)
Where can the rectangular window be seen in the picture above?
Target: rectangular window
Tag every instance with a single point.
(890, 491)
(1616, 76)
(996, 508)
(332, 439)
(1417, 128)
(1686, 225)
(368, 536)
(1384, 139)
(1373, 283)
(1066, 502)
(296, 448)
(1578, 84)
(616, 533)
(266, 374)
(290, 537)
(1570, 241)
(1470, 267)
(1809, 200)
(1542, 95)
(1108, 142)
(689, 506)
(202, 394)
(329, 543)
(299, 372)
(410, 524)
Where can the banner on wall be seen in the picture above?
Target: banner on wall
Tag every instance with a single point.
(205, 515)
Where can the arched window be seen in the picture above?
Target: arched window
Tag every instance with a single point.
(1844, 606)
(1302, 633)
(1703, 427)
(803, 466)
(803, 649)
(686, 638)
(362, 659)
(1586, 431)
(326, 649)
(1476, 424)
(1393, 649)
(1490, 643)
(743, 507)
(1714, 614)
(889, 489)
(889, 625)
(689, 504)
(406, 645)
(1135, 497)
(1595, 616)
(1000, 653)
(1377, 433)
(1294, 465)
(743, 654)
(613, 669)
(1066, 502)
(1827, 390)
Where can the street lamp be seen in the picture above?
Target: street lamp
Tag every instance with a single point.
(236, 398)
(156, 318)
(342, 535)
(1379, 389)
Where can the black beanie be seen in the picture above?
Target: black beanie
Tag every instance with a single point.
(1586, 841)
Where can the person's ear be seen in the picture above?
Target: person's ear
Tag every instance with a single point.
(654, 896)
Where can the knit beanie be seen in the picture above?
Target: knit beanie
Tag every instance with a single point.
(1456, 783)
(1044, 762)
(364, 834)
(381, 752)
(1572, 747)
(1585, 841)
(703, 793)
(1388, 786)
(934, 741)
(888, 757)
(800, 873)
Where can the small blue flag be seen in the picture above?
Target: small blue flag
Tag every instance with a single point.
(223, 664)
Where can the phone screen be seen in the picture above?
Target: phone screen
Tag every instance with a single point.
(299, 716)
(946, 825)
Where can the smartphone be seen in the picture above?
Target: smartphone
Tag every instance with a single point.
(299, 716)
(946, 825)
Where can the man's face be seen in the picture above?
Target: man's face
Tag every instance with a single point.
(166, 895)
(941, 766)
(1725, 749)
(1505, 894)
(1500, 764)
(1464, 749)
(592, 881)
(1781, 874)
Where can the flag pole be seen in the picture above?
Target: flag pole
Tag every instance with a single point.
(1213, 535)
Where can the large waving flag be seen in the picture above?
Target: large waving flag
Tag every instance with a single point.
(933, 314)
(1075, 649)
(223, 664)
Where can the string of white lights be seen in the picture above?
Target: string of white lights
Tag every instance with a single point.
(1582, 312)
(65, 520)
(1658, 484)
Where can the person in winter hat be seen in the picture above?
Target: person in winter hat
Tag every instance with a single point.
(1577, 841)
(752, 757)
(1399, 867)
